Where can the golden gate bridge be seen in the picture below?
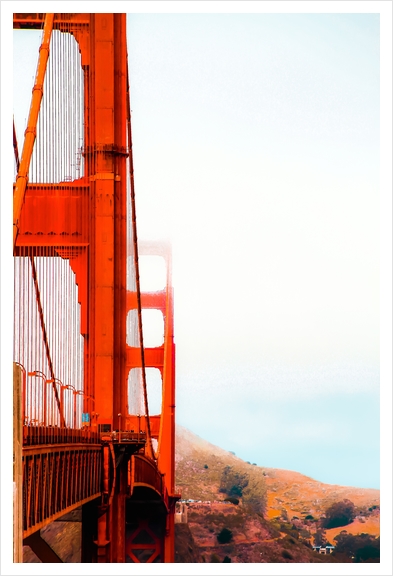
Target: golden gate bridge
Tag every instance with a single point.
(83, 433)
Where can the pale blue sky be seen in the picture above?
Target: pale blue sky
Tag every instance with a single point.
(256, 151)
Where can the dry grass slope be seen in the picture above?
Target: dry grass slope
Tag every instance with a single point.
(199, 467)
(290, 497)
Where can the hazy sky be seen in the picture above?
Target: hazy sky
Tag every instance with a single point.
(256, 152)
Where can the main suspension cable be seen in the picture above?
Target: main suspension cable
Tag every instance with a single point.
(136, 264)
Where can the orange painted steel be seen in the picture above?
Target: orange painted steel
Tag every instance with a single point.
(75, 231)
(58, 479)
(162, 427)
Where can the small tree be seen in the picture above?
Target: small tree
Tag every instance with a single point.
(360, 548)
(255, 496)
(320, 538)
(339, 514)
(232, 482)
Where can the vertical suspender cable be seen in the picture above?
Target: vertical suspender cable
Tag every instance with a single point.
(21, 181)
(44, 333)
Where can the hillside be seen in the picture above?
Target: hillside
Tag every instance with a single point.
(282, 533)
(268, 524)
(199, 467)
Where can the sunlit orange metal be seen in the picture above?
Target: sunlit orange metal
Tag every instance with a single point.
(87, 227)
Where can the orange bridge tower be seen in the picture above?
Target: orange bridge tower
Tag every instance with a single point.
(89, 439)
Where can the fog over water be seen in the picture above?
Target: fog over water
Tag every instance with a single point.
(256, 142)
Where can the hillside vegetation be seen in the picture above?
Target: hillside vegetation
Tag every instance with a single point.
(272, 515)
(206, 472)
(247, 513)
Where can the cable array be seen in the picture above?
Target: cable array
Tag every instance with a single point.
(57, 156)
(48, 338)
(47, 327)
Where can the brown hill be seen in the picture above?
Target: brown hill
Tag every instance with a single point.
(288, 497)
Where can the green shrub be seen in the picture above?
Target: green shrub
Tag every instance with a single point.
(276, 526)
(339, 514)
(236, 490)
(206, 466)
(287, 555)
(285, 527)
(360, 548)
(227, 559)
(224, 536)
(214, 558)
(232, 482)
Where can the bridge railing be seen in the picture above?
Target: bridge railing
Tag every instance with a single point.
(146, 473)
(34, 434)
(53, 412)
(56, 480)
